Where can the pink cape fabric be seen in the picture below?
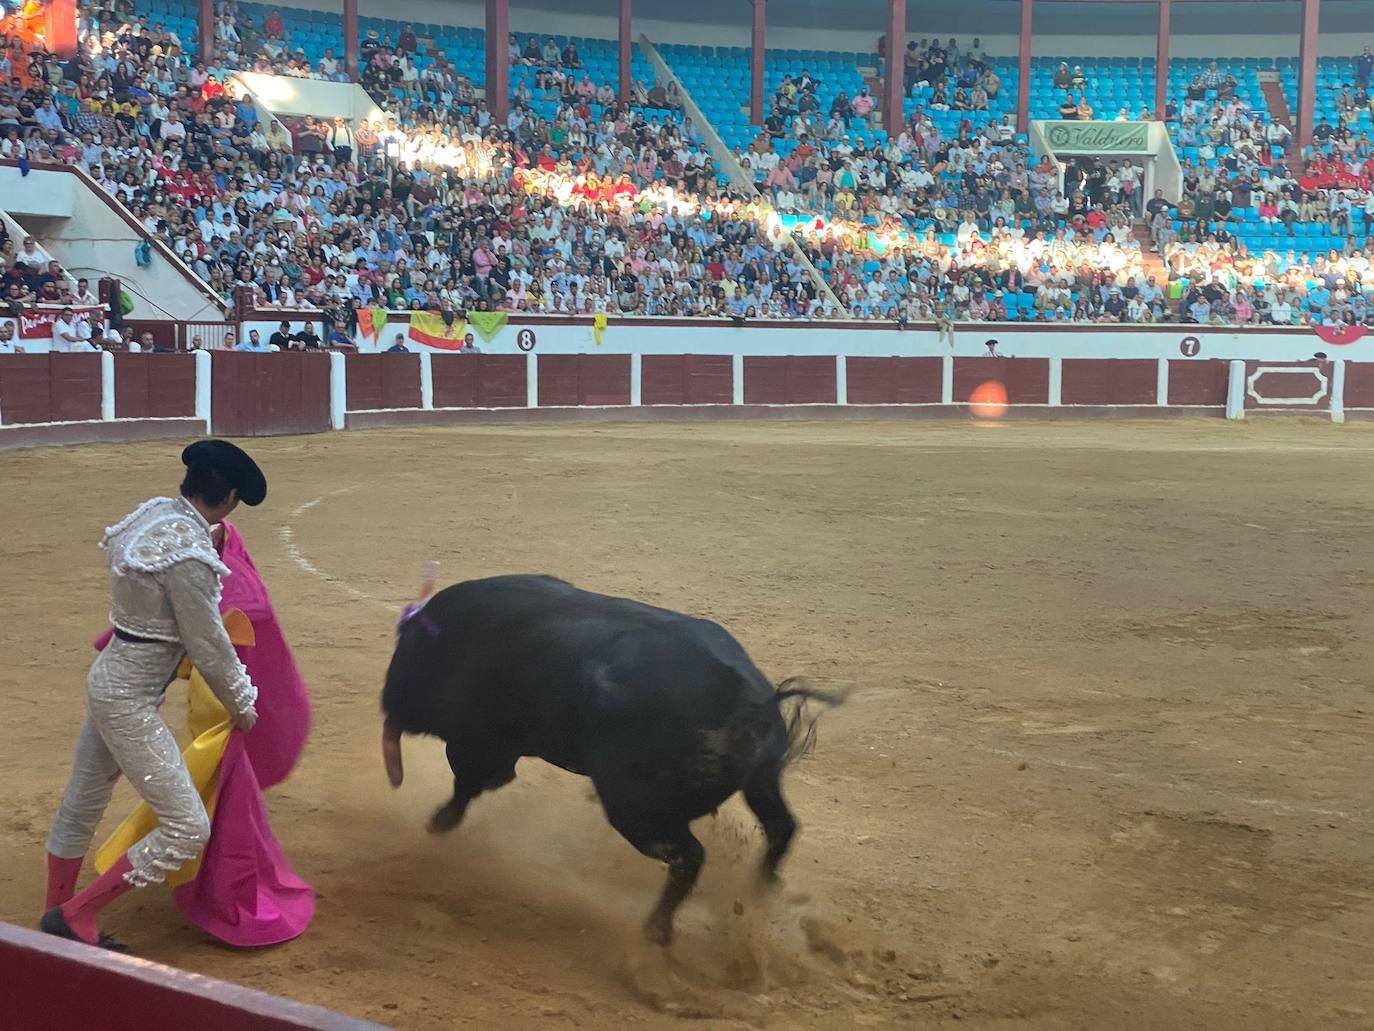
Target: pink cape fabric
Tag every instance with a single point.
(246, 893)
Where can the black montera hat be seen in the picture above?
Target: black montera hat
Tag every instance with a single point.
(233, 463)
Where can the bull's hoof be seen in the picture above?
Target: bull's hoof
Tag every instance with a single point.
(659, 931)
(445, 818)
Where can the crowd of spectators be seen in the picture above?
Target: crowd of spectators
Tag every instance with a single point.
(1248, 178)
(604, 208)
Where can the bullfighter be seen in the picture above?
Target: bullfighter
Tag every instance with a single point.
(165, 583)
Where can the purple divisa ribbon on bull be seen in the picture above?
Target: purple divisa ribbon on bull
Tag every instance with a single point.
(429, 573)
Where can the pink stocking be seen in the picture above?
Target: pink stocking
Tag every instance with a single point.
(62, 876)
(81, 912)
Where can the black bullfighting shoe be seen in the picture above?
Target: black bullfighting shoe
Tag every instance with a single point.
(55, 923)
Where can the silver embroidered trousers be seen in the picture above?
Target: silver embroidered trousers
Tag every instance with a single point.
(123, 733)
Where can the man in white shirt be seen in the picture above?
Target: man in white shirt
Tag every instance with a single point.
(70, 333)
(83, 295)
(8, 343)
(115, 339)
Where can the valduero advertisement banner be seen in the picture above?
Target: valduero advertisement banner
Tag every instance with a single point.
(1098, 137)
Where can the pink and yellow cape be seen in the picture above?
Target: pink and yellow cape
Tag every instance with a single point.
(242, 890)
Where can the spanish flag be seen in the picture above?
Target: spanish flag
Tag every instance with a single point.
(444, 331)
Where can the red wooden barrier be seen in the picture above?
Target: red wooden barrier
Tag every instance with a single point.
(25, 388)
(382, 381)
(584, 379)
(1198, 382)
(157, 386)
(792, 380)
(686, 379)
(1109, 381)
(455, 378)
(1359, 384)
(1027, 380)
(55, 984)
(479, 380)
(76, 387)
(894, 381)
(49, 388)
(263, 394)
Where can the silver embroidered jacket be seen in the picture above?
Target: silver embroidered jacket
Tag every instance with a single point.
(165, 584)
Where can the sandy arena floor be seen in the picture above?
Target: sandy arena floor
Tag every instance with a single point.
(1107, 764)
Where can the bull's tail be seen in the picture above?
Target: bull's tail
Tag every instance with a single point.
(391, 752)
(801, 722)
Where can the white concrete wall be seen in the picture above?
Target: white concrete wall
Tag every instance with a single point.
(282, 95)
(653, 336)
(91, 240)
(19, 197)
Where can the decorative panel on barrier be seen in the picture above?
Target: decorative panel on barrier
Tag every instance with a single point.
(1198, 383)
(1288, 387)
(1027, 380)
(382, 381)
(584, 379)
(157, 386)
(894, 381)
(686, 379)
(792, 380)
(1109, 381)
(264, 394)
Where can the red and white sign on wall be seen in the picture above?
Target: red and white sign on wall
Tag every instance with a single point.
(37, 323)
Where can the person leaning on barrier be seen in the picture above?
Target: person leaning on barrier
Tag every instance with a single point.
(281, 339)
(307, 339)
(8, 343)
(70, 333)
(253, 343)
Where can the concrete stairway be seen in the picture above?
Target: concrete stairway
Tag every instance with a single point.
(1153, 262)
(1276, 100)
(725, 158)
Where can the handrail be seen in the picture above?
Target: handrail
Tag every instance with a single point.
(14, 226)
(722, 153)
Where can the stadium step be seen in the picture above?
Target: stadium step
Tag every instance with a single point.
(1153, 262)
(1276, 101)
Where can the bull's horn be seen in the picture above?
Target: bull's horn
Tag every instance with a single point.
(391, 752)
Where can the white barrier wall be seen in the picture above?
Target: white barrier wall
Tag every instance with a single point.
(669, 336)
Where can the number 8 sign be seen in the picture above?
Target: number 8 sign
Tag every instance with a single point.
(525, 340)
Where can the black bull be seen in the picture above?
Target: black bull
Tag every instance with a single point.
(665, 713)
